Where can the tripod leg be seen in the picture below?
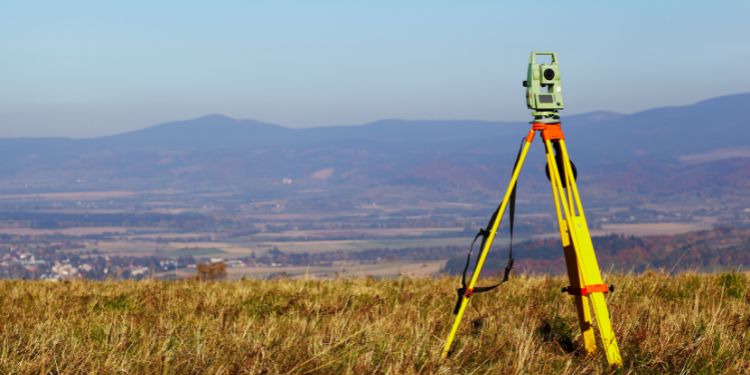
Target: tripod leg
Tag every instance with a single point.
(590, 268)
(593, 276)
(487, 245)
(581, 302)
(574, 274)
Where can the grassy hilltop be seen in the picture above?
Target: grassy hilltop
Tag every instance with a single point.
(688, 323)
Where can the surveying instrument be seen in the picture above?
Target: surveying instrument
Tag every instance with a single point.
(544, 98)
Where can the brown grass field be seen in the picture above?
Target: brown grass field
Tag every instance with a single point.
(690, 323)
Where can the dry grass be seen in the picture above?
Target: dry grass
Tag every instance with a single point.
(690, 323)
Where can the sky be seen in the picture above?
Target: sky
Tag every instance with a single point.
(90, 68)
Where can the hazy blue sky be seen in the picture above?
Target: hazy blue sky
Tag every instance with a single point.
(84, 68)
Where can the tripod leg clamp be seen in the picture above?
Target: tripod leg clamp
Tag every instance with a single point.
(588, 289)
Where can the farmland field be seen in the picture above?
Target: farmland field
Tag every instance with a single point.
(689, 323)
(61, 234)
(650, 229)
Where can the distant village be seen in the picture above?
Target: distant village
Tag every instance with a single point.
(20, 263)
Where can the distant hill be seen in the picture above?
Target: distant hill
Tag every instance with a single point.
(203, 133)
(698, 145)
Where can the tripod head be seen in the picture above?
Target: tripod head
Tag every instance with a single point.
(543, 90)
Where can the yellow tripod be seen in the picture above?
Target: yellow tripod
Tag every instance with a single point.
(583, 269)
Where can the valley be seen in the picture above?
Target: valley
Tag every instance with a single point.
(386, 198)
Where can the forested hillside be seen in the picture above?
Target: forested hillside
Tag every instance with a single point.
(720, 248)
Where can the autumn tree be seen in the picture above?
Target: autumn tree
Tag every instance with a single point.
(211, 271)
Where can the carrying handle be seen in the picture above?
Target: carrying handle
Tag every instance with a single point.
(535, 54)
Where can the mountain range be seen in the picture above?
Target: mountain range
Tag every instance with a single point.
(698, 146)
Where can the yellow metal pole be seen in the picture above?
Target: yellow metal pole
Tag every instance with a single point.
(574, 270)
(567, 190)
(574, 185)
(568, 214)
(591, 271)
(587, 261)
(487, 245)
(556, 196)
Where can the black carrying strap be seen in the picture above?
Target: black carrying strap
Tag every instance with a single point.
(484, 232)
